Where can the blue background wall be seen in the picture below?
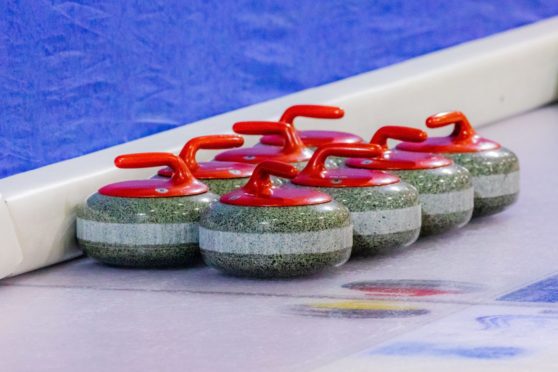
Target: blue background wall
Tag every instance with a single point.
(80, 76)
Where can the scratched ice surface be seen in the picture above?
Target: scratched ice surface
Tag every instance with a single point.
(79, 76)
(481, 299)
(479, 338)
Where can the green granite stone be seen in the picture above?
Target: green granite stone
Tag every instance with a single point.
(433, 224)
(437, 180)
(145, 210)
(363, 199)
(487, 163)
(226, 217)
(222, 186)
(489, 206)
(271, 220)
(378, 198)
(275, 266)
(448, 179)
(130, 211)
(380, 244)
(142, 256)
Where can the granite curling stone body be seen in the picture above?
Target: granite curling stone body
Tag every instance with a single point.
(495, 169)
(385, 212)
(147, 223)
(220, 176)
(445, 188)
(314, 138)
(268, 231)
(293, 151)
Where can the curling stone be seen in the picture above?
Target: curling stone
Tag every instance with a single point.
(267, 231)
(145, 223)
(385, 211)
(445, 188)
(495, 169)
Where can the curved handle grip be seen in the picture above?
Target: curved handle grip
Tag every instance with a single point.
(311, 111)
(180, 172)
(260, 127)
(462, 130)
(292, 140)
(214, 142)
(316, 164)
(260, 182)
(400, 133)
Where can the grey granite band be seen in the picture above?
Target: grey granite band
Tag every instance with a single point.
(276, 243)
(449, 202)
(386, 221)
(496, 185)
(148, 234)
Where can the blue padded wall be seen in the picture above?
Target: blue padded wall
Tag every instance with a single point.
(79, 76)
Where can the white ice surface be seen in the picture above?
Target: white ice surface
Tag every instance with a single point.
(88, 317)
